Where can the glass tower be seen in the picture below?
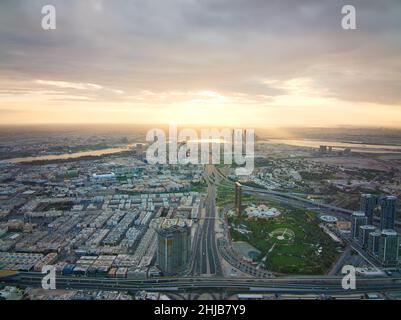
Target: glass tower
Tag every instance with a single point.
(388, 205)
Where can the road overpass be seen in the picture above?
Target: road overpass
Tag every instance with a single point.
(317, 285)
(291, 196)
(206, 258)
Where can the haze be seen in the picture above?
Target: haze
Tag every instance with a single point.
(216, 62)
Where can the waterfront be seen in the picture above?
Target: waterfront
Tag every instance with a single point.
(357, 146)
(65, 156)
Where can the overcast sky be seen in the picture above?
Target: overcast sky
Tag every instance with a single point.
(249, 62)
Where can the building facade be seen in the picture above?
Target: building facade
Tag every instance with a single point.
(173, 245)
(238, 195)
(389, 244)
(358, 219)
(388, 206)
(363, 236)
(373, 242)
(368, 204)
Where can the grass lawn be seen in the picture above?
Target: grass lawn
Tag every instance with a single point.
(290, 242)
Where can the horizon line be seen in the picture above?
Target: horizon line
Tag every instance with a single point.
(36, 124)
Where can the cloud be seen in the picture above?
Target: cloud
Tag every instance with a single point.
(87, 87)
(249, 51)
(70, 85)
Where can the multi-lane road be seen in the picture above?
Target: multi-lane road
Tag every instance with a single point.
(317, 285)
(207, 270)
(294, 199)
(206, 257)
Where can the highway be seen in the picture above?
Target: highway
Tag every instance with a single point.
(290, 198)
(317, 285)
(206, 267)
(206, 258)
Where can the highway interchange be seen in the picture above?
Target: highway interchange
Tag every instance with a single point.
(302, 285)
(206, 270)
(206, 258)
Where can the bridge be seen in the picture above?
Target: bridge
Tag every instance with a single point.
(291, 196)
(306, 284)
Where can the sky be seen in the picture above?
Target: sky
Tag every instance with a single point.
(214, 62)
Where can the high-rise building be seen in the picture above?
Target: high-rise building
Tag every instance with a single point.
(368, 204)
(238, 194)
(173, 245)
(363, 235)
(387, 205)
(373, 242)
(389, 245)
(139, 151)
(358, 219)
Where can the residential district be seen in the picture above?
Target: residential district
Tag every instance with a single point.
(116, 227)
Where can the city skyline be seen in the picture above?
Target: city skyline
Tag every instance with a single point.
(200, 150)
(236, 63)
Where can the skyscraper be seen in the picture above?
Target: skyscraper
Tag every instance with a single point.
(174, 245)
(368, 204)
(387, 205)
(389, 244)
(373, 242)
(238, 194)
(364, 232)
(358, 219)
